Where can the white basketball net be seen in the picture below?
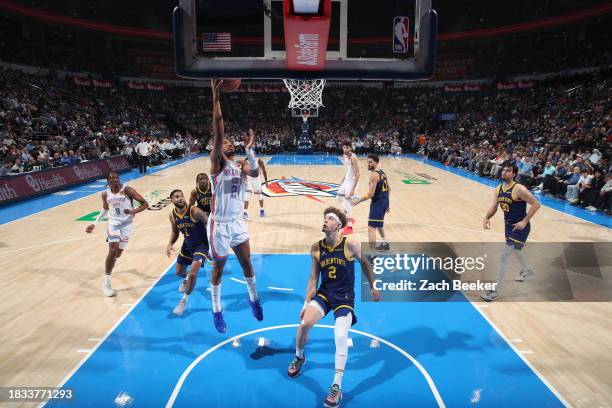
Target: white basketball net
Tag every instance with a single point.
(305, 94)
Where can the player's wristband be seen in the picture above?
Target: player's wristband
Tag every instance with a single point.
(252, 159)
(100, 216)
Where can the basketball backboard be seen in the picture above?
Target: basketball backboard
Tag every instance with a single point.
(393, 39)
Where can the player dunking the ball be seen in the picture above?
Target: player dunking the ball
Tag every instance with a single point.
(379, 191)
(512, 198)
(117, 203)
(348, 185)
(226, 226)
(190, 221)
(333, 262)
(201, 195)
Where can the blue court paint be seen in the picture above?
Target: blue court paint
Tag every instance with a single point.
(34, 205)
(597, 217)
(298, 160)
(144, 357)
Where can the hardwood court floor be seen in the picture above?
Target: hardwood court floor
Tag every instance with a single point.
(53, 311)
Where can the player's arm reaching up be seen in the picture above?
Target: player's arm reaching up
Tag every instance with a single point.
(216, 153)
(249, 147)
(134, 195)
(174, 234)
(374, 178)
(355, 251)
(486, 224)
(313, 281)
(534, 205)
(355, 164)
(100, 216)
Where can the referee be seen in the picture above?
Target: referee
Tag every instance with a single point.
(143, 150)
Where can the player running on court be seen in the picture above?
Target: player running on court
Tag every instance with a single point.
(226, 226)
(201, 195)
(333, 262)
(348, 185)
(190, 221)
(117, 204)
(379, 191)
(254, 187)
(512, 198)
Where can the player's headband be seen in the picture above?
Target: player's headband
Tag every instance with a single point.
(333, 217)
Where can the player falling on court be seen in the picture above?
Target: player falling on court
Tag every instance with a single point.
(190, 221)
(512, 198)
(254, 187)
(333, 260)
(117, 204)
(379, 191)
(226, 226)
(348, 185)
(201, 195)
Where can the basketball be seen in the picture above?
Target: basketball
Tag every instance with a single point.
(229, 85)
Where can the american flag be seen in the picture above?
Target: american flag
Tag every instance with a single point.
(217, 42)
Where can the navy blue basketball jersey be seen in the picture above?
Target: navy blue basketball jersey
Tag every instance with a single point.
(514, 210)
(204, 198)
(194, 231)
(337, 270)
(382, 187)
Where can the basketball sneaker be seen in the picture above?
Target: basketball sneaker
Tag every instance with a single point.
(256, 309)
(219, 322)
(383, 247)
(182, 286)
(523, 274)
(296, 366)
(490, 296)
(334, 397)
(108, 290)
(262, 213)
(180, 308)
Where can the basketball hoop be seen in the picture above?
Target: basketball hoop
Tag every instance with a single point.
(305, 94)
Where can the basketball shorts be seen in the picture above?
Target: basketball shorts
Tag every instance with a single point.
(346, 187)
(516, 238)
(341, 306)
(225, 235)
(378, 209)
(119, 233)
(253, 187)
(188, 254)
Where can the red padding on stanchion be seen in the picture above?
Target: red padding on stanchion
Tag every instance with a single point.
(306, 37)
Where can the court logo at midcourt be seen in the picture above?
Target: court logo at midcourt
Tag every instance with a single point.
(296, 187)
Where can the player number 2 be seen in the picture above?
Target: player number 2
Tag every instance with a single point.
(332, 272)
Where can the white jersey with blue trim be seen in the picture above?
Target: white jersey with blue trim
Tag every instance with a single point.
(228, 189)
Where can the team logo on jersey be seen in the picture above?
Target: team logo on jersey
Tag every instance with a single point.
(297, 187)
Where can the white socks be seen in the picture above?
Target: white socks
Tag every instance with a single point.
(252, 288)
(216, 297)
(299, 353)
